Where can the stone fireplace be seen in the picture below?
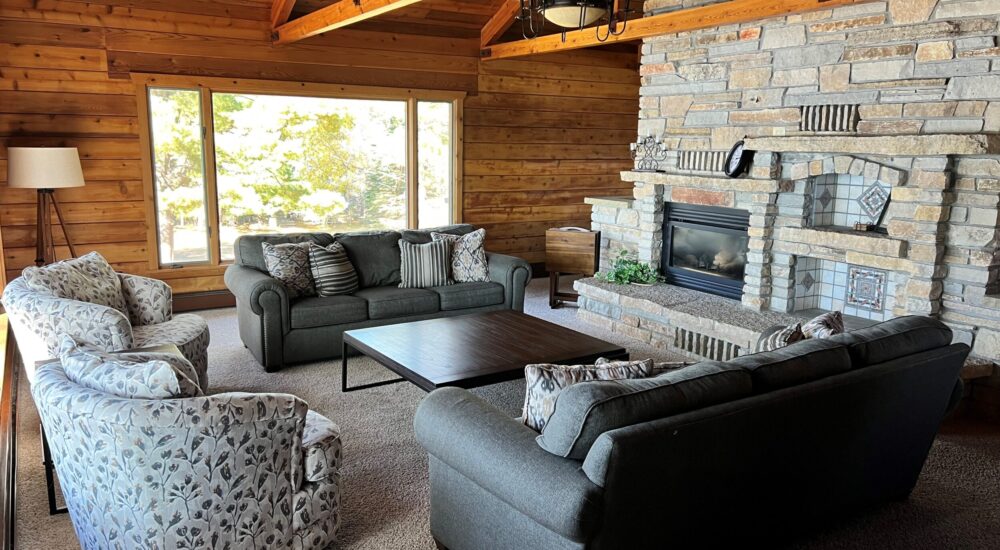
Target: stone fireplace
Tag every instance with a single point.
(872, 114)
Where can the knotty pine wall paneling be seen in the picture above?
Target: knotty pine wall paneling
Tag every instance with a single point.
(540, 133)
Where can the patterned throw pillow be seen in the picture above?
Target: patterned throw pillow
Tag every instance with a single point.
(129, 375)
(658, 368)
(424, 265)
(824, 326)
(544, 382)
(332, 271)
(289, 263)
(468, 257)
(781, 338)
(89, 278)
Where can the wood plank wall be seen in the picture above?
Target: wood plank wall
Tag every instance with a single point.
(541, 133)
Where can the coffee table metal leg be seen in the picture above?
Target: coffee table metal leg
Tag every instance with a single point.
(343, 375)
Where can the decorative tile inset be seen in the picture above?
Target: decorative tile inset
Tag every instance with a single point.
(873, 201)
(866, 288)
(825, 198)
(808, 281)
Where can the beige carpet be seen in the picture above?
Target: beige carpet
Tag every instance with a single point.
(957, 503)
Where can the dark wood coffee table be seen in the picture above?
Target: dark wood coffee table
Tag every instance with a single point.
(473, 350)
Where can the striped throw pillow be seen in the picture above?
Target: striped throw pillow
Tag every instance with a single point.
(824, 326)
(332, 271)
(781, 338)
(424, 265)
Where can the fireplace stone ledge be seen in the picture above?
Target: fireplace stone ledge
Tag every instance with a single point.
(739, 185)
(905, 145)
(870, 243)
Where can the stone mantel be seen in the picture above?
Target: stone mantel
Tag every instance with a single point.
(890, 146)
(611, 202)
(740, 185)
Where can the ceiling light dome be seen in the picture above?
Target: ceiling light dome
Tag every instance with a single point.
(566, 13)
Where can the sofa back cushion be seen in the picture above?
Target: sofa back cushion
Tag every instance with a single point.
(89, 278)
(423, 236)
(795, 364)
(585, 411)
(893, 339)
(375, 256)
(132, 375)
(249, 249)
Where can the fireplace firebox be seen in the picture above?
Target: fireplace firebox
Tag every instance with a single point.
(705, 248)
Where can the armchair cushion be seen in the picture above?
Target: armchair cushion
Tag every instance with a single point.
(149, 301)
(142, 376)
(89, 278)
(321, 448)
(188, 332)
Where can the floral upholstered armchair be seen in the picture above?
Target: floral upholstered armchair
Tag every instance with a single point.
(85, 298)
(146, 461)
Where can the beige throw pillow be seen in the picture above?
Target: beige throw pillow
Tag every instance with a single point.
(544, 382)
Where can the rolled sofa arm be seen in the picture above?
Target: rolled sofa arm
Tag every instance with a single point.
(513, 273)
(500, 455)
(251, 287)
(149, 301)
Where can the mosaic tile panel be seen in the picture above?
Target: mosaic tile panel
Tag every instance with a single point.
(837, 286)
(841, 200)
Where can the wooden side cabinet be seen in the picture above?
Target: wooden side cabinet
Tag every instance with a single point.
(570, 252)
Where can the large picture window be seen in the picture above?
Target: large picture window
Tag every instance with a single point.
(229, 162)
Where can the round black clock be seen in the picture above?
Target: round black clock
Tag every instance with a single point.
(738, 161)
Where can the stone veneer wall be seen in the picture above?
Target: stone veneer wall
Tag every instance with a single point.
(888, 70)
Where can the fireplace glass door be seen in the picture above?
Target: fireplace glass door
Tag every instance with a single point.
(706, 249)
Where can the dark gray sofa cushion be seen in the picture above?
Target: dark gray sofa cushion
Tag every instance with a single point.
(795, 364)
(249, 252)
(387, 302)
(375, 256)
(331, 310)
(585, 411)
(469, 295)
(893, 339)
(423, 236)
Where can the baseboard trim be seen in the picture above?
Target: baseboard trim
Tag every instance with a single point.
(193, 301)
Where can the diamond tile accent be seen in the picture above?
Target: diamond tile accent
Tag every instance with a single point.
(808, 281)
(825, 198)
(873, 201)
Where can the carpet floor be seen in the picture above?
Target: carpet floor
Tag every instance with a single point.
(385, 502)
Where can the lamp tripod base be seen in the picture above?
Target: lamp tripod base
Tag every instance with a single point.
(45, 247)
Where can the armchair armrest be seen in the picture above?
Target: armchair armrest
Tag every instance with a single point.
(149, 301)
(253, 288)
(513, 273)
(500, 455)
(321, 448)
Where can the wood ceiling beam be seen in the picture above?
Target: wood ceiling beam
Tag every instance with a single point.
(500, 22)
(335, 16)
(281, 10)
(705, 17)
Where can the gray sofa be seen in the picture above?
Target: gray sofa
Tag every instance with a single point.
(711, 454)
(279, 331)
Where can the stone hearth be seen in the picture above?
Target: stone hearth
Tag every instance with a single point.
(844, 109)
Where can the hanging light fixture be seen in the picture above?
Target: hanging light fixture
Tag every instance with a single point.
(574, 14)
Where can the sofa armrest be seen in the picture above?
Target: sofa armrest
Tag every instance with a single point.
(500, 455)
(513, 273)
(321, 448)
(250, 285)
(149, 301)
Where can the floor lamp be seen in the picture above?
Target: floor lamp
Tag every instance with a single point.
(45, 169)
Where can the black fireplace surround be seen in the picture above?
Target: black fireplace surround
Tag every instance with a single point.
(705, 248)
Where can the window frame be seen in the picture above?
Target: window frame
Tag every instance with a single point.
(210, 85)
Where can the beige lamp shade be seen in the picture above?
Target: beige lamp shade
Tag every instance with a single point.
(569, 15)
(44, 167)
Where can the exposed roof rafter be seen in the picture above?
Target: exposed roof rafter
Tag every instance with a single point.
(704, 17)
(335, 16)
(500, 22)
(281, 10)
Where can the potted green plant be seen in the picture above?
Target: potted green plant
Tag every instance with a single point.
(628, 270)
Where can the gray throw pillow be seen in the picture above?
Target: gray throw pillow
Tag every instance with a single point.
(585, 411)
(289, 263)
(424, 265)
(468, 256)
(332, 271)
